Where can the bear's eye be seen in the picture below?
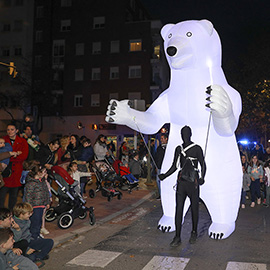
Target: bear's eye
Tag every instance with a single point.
(170, 35)
(189, 34)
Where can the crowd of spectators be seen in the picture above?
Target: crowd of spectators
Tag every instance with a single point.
(256, 174)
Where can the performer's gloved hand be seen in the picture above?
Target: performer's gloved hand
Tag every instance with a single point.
(201, 181)
(161, 176)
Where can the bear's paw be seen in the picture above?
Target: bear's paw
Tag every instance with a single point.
(166, 224)
(220, 231)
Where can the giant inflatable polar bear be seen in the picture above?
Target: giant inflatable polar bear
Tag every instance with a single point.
(193, 52)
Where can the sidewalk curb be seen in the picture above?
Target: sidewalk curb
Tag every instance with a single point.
(71, 235)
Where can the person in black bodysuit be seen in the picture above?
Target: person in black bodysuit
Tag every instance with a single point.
(189, 187)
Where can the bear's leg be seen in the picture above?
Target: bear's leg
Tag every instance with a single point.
(222, 203)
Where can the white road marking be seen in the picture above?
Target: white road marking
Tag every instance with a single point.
(245, 266)
(95, 258)
(166, 263)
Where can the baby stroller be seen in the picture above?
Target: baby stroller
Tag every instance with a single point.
(106, 181)
(71, 204)
(128, 179)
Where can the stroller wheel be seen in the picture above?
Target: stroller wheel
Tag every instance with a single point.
(92, 193)
(109, 197)
(50, 215)
(119, 196)
(82, 216)
(65, 220)
(92, 218)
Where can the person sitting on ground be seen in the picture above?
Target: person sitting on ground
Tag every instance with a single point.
(10, 260)
(6, 221)
(22, 213)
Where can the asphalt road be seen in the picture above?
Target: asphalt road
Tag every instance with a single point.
(132, 241)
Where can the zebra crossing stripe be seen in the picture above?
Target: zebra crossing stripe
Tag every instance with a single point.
(169, 263)
(95, 258)
(245, 266)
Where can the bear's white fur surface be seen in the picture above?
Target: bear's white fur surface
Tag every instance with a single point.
(194, 56)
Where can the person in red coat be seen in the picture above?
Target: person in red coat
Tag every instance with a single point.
(12, 183)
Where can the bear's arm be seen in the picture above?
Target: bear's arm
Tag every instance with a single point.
(226, 117)
(148, 122)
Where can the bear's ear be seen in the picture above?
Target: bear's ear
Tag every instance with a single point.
(207, 25)
(165, 29)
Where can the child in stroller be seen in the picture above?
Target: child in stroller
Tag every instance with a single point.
(71, 204)
(106, 179)
(122, 169)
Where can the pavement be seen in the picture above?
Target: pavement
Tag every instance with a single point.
(103, 209)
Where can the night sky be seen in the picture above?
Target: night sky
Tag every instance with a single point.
(240, 23)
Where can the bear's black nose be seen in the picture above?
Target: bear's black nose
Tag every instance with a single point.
(171, 51)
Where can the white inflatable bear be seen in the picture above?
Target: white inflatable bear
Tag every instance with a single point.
(197, 88)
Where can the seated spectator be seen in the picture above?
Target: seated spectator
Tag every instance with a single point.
(46, 154)
(6, 221)
(10, 260)
(22, 213)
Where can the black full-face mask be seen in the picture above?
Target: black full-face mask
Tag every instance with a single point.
(186, 134)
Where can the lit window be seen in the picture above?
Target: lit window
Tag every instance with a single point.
(99, 22)
(95, 100)
(40, 12)
(78, 100)
(115, 46)
(58, 53)
(95, 73)
(39, 36)
(135, 72)
(134, 95)
(114, 73)
(96, 48)
(135, 45)
(79, 74)
(66, 3)
(80, 49)
(65, 25)
(157, 51)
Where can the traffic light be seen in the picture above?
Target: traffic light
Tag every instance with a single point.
(12, 69)
(94, 126)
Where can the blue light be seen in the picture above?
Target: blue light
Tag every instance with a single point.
(245, 142)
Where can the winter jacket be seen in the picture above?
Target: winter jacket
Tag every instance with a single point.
(36, 192)
(20, 144)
